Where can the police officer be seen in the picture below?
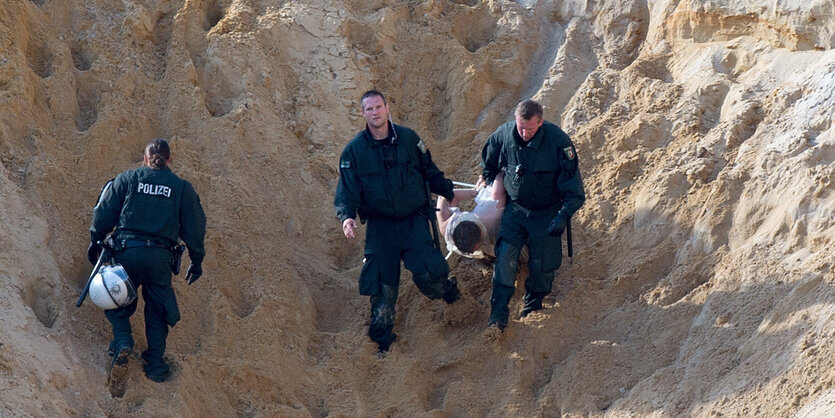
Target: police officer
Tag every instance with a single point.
(150, 208)
(383, 174)
(543, 183)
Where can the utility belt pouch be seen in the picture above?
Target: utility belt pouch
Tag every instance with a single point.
(113, 245)
(177, 256)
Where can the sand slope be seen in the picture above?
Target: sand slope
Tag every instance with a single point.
(702, 278)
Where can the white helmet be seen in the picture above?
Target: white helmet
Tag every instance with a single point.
(111, 288)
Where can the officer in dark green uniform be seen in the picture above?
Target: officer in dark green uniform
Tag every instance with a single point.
(151, 208)
(383, 173)
(543, 183)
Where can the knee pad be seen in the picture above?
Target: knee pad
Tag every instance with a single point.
(431, 286)
(437, 267)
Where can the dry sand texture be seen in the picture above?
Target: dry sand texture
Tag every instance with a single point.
(702, 281)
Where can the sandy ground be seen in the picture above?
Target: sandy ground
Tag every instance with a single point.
(702, 281)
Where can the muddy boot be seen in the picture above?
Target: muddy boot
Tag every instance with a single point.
(158, 374)
(384, 348)
(493, 332)
(532, 302)
(451, 292)
(118, 372)
(382, 317)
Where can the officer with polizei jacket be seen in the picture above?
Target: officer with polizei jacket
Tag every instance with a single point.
(151, 208)
(542, 180)
(383, 174)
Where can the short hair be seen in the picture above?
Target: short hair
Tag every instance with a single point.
(466, 236)
(372, 93)
(158, 153)
(529, 108)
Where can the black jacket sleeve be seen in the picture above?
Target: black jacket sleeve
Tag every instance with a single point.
(108, 208)
(192, 224)
(347, 198)
(569, 182)
(438, 184)
(490, 157)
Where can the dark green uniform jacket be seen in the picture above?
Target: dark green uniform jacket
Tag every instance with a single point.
(381, 179)
(541, 175)
(155, 204)
(147, 204)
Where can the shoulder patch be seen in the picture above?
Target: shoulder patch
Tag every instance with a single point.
(344, 164)
(421, 146)
(569, 152)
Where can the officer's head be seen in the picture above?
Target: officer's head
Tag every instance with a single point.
(528, 118)
(467, 236)
(375, 110)
(157, 153)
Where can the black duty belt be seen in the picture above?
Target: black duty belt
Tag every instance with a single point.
(521, 208)
(534, 212)
(129, 243)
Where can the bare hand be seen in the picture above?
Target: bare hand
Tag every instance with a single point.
(349, 227)
(480, 183)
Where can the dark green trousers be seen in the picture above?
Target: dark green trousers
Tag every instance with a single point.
(519, 227)
(149, 269)
(387, 242)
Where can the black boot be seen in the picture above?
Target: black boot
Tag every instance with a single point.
(384, 346)
(451, 292)
(118, 371)
(532, 302)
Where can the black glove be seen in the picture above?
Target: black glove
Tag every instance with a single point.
(93, 252)
(557, 226)
(194, 273)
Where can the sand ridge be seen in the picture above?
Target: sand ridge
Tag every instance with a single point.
(701, 282)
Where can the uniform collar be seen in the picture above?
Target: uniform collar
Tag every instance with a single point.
(536, 141)
(380, 142)
(166, 168)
